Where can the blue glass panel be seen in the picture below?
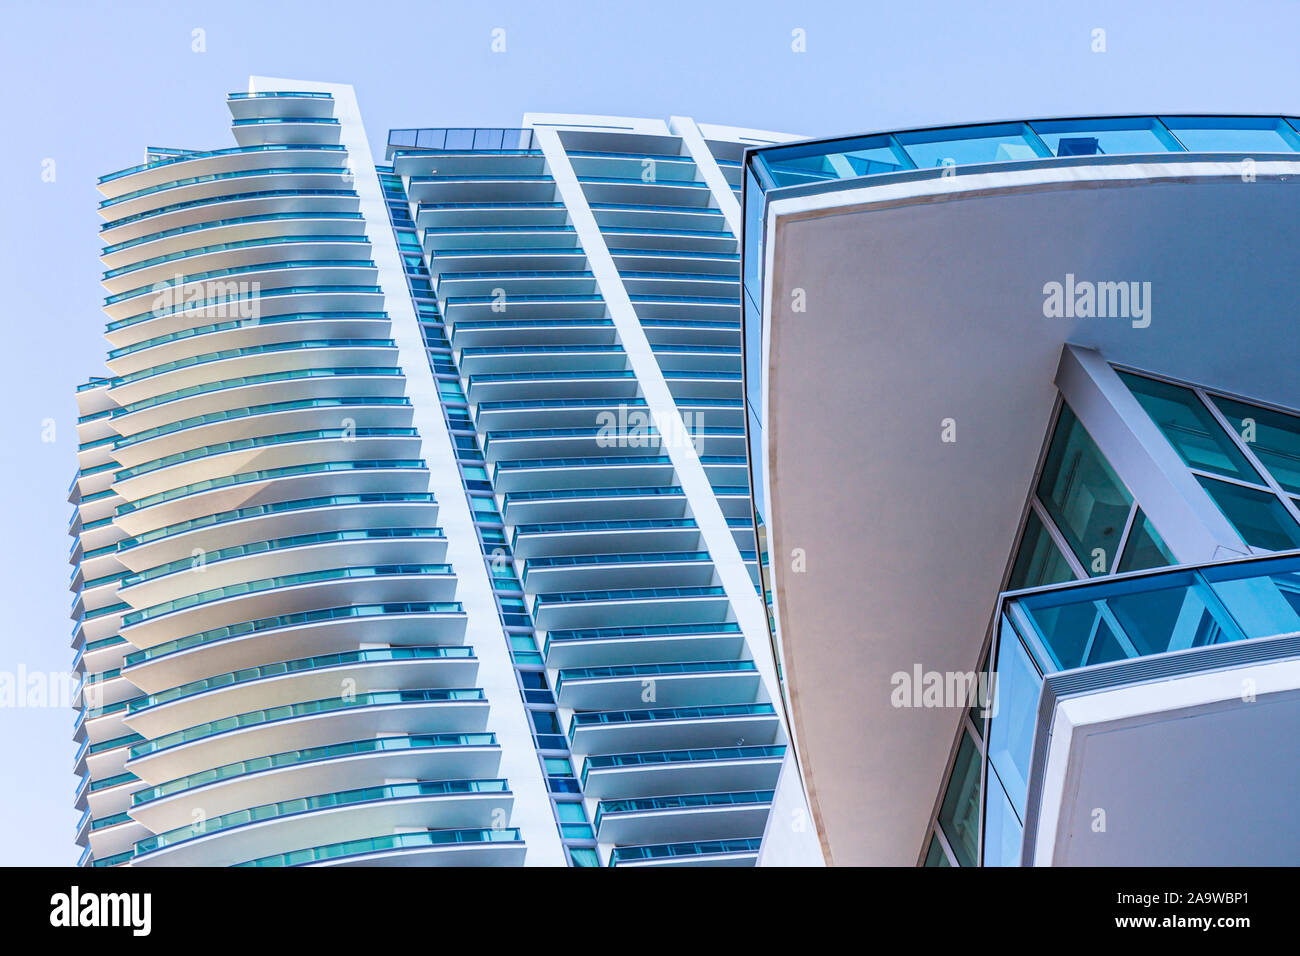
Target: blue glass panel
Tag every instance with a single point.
(1262, 597)
(959, 814)
(840, 159)
(1106, 137)
(1003, 832)
(1234, 134)
(1007, 142)
(1259, 517)
(1011, 731)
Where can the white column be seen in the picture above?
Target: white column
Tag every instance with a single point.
(507, 718)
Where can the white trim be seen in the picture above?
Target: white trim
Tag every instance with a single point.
(532, 812)
(746, 603)
(723, 195)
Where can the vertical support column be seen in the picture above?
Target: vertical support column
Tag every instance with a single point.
(727, 202)
(790, 828)
(496, 674)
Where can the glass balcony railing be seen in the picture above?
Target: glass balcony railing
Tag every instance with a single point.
(370, 401)
(219, 177)
(255, 121)
(658, 714)
(564, 636)
(595, 560)
(666, 851)
(305, 709)
(110, 821)
(395, 841)
(365, 572)
(114, 744)
(174, 288)
(686, 802)
(624, 594)
(277, 507)
(277, 544)
(461, 140)
(651, 670)
(288, 621)
(309, 755)
(857, 156)
(226, 481)
(291, 375)
(628, 524)
(114, 781)
(115, 859)
(325, 801)
(233, 197)
(229, 246)
(264, 441)
(233, 151)
(655, 758)
(638, 461)
(278, 94)
(1144, 614)
(238, 300)
(368, 656)
(560, 494)
(235, 221)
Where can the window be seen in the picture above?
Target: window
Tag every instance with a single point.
(1258, 516)
(959, 815)
(1190, 428)
(1038, 561)
(1273, 437)
(1145, 548)
(1083, 496)
(935, 857)
(1094, 137)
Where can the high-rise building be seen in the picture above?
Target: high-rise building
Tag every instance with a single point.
(412, 520)
(1024, 414)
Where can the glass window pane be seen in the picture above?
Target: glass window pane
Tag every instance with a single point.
(1258, 516)
(1234, 134)
(959, 815)
(1039, 561)
(1263, 597)
(1109, 137)
(1274, 437)
(459, 139)
(1170, 616)
(1145, 548)
(1003, 833)
(1190, 427)
(935, 857)
(977, 144)
(842, 159)
(1083, 495)
(1015, 709)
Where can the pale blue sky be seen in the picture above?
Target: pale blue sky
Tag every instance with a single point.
(90, 85)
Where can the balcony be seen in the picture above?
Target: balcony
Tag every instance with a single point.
(286, 825)
(611, 732)
(476, 847)
(699, 816)
(1139, 684)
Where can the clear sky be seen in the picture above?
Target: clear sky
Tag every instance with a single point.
(89, 85)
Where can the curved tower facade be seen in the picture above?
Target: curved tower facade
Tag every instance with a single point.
(412, 520)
